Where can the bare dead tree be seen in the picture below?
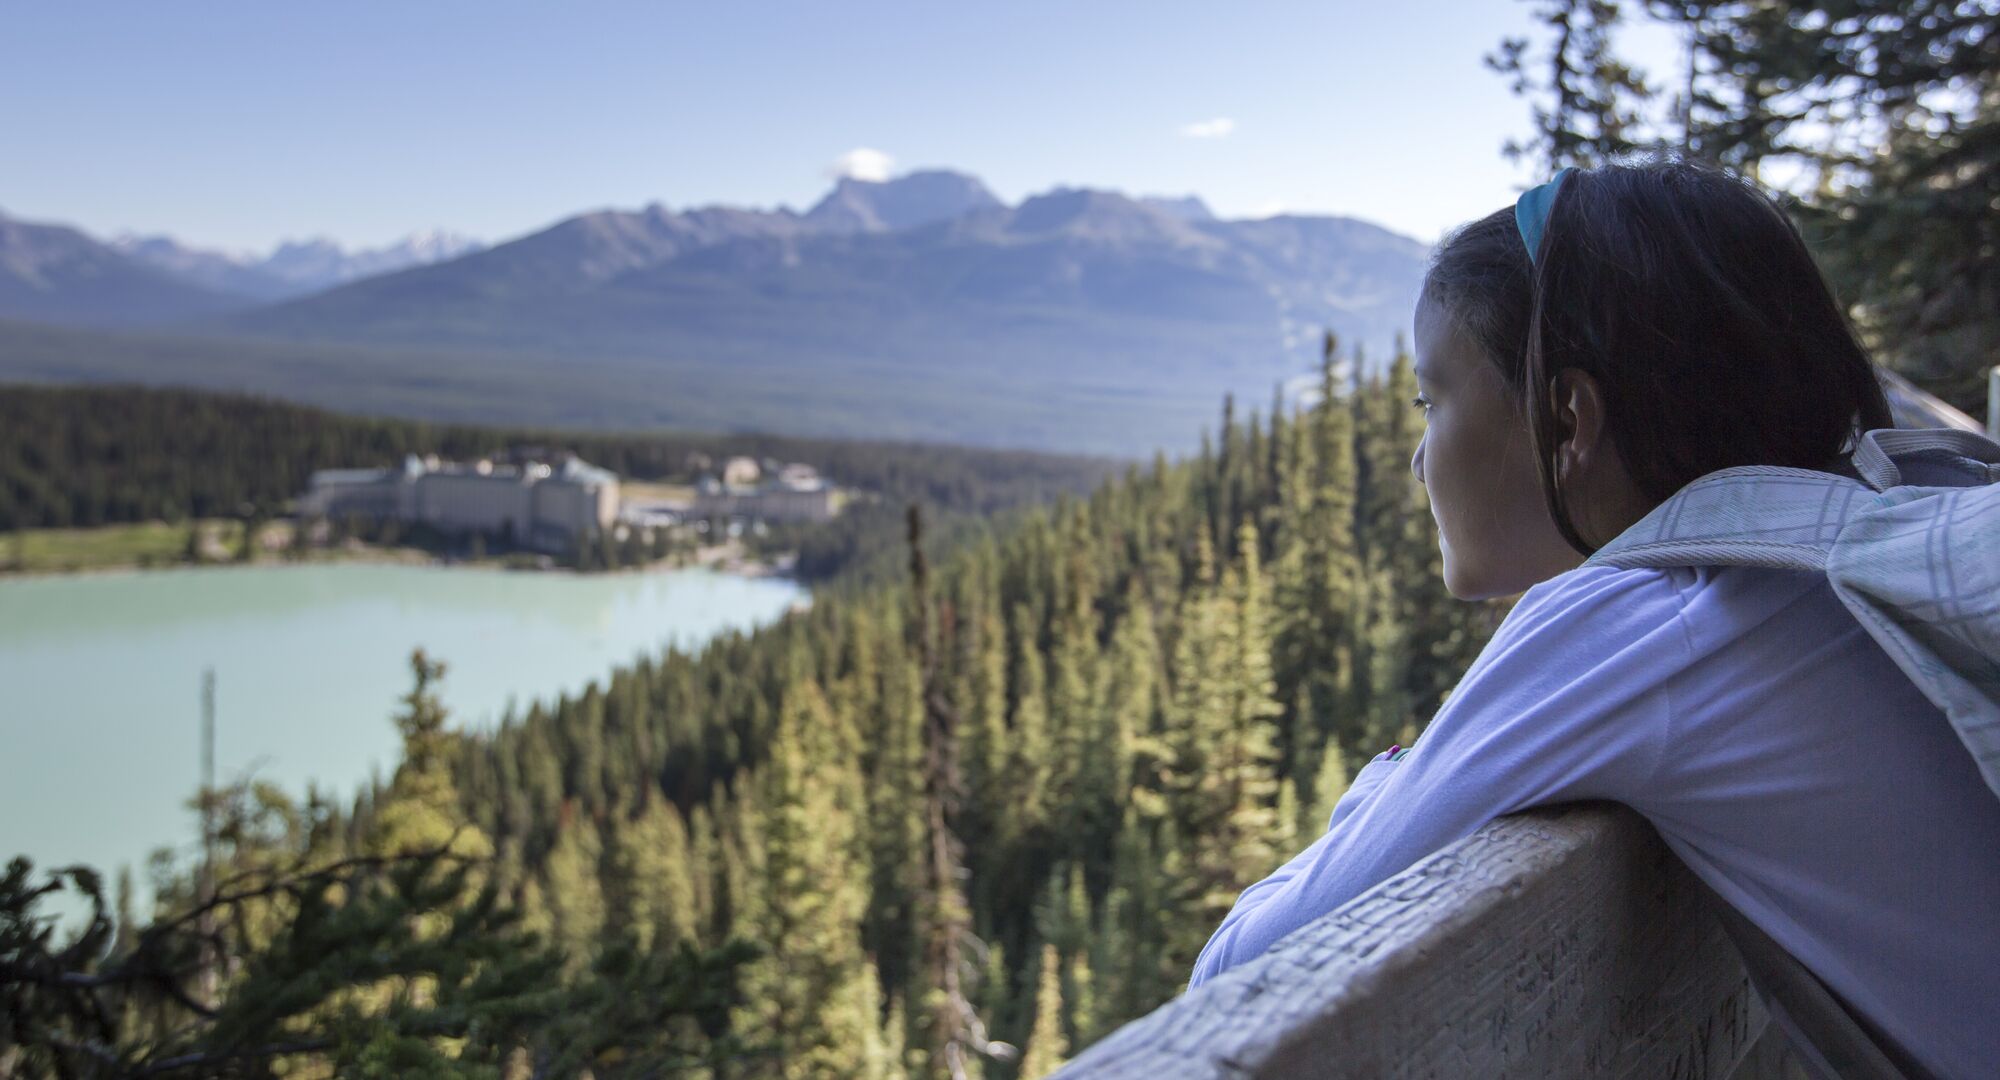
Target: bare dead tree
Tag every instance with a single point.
(955, 1026)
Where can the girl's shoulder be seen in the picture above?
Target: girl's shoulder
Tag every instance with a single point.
(1596, 638)
(1725, 649)
(1593, 608)
(1586, 586)
(1708, 603)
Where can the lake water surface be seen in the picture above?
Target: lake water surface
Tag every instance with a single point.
(100, 677)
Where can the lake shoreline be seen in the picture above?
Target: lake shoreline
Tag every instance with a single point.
(729, 557)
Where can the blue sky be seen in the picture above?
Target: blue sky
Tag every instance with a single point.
(239, 124)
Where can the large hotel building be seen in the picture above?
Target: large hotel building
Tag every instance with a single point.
(544, 507)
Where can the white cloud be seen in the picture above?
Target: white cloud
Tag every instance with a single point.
(1269, 208)
(1209, 129)
(861, 163)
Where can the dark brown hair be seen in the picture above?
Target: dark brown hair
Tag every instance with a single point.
(1691, 299)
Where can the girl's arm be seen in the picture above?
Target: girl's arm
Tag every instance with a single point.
(1357, 795)
(1363, 787)
(1569, 701)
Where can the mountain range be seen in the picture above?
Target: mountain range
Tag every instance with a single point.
(922, 305)
(55, 273)
(294, 268)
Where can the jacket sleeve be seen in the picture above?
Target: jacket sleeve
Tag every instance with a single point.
(1362, 788)
(1570, 700)
(1357, 793)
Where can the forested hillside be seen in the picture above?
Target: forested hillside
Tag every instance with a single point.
(98, 455)
(1156, 695)
(1003, 798)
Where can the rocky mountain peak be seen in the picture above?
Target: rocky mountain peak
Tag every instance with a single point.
(910, 200)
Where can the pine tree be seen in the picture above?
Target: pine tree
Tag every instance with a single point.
(1076, 716)
(1224, 769)
(575, 892)
(985, 749)
(1197, 706)
(650, 880)
(1134, 973)
(705, 870)
(1131, 679)
(954, 1031)
(814, 991)
(422, 810)
(1586, 109)
(1047, 1048)
(1031, 751)
(1315, 639)
(894, 845)
(1383, 544)
(1249, 757)
(1078, 984)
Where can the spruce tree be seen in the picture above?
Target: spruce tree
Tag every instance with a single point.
(1030, 765)
(987, 747)
(1076, 714)
(1586, 106)
(1249, 757)
(574, 891)
(1047, 1047)
(1131, 677)
(1318, 581)
(650, 880)
(814, 992)
(422, 809)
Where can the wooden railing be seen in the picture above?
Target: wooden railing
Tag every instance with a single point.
(1993, 403)
(1564, 942)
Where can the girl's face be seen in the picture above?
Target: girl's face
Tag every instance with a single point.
(1477, 461)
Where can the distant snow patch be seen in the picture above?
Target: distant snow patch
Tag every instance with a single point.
(861, 163)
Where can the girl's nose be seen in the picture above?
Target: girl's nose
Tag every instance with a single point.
(1417, 459)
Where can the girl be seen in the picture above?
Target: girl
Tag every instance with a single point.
(1581, 356)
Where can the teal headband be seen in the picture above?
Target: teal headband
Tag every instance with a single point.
(1531, 211)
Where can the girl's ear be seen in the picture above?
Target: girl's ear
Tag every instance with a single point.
(1593, 478)
(1580, 421)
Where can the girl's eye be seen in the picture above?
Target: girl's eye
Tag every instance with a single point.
(1421, 402)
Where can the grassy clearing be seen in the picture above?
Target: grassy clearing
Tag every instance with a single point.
(157, 544)
(149, 543)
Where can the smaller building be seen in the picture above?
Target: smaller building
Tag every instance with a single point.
(742, 472)
(796, 493)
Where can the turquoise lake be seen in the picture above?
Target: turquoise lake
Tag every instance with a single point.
(100, 678)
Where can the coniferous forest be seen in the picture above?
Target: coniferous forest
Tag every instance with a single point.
(962, 822)
(83, 456)
(95, 456)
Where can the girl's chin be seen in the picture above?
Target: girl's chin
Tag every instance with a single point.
(1465, 582)
(1456, 580)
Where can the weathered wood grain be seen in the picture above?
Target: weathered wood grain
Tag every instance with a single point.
(1561, 942)
(1771, 1057)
